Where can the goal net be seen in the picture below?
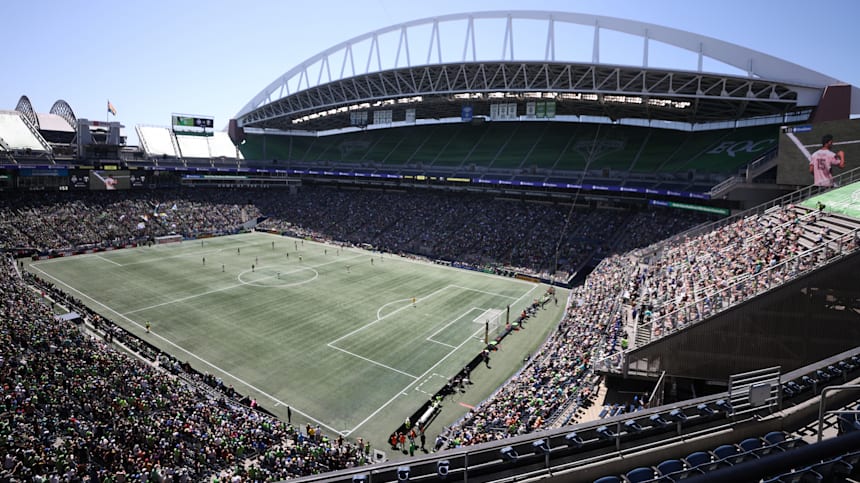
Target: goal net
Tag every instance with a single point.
(493, 320)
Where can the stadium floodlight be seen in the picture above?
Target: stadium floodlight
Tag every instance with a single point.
(442, 468)
(508, 454)
(540, 446)
(403, 473)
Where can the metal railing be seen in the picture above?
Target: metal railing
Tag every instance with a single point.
(712, 301)
(822, 404)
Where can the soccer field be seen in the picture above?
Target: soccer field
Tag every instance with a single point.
(331, 332)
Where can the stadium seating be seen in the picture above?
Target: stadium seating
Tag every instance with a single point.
(549, 149)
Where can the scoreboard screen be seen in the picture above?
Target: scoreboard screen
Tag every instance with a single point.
(109, 180)
(193, 121)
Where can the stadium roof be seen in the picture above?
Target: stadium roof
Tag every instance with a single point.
(437, 65)
(61, 118)
(53, 122)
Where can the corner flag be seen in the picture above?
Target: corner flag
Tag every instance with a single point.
(111, 109)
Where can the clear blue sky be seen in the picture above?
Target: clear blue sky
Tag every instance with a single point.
(152, 58)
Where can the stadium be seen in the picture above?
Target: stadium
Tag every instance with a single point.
(404, 262)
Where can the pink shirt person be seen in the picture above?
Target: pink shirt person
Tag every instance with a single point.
(822, 160)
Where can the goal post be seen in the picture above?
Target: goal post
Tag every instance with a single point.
(493, 322)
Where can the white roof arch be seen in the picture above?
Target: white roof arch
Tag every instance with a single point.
(396, 46)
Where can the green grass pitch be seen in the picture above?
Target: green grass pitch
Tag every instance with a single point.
(331, 332)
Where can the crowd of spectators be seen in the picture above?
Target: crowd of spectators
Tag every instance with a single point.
(537, 238)
(72, 408)
(699, 276)
(561, 374)
(114, 417)
(57, 221)
(687, 281)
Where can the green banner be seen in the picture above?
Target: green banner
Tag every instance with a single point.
(705, 209)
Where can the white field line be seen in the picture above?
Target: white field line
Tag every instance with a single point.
(440, 343)
(430, 337)
(108, 260)
(374, 413)
(487, 314)
(396, 395)
(379, 311)
(379, 319)
(182, 299)
(168, 341)
(371, 361)
(494, 294)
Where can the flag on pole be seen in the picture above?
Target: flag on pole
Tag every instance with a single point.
(111, 109)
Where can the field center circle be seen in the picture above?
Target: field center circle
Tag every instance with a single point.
(270, 277)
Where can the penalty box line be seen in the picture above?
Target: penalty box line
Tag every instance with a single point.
(452, 351)
(430, 337)
(332, 343)
(398, 393)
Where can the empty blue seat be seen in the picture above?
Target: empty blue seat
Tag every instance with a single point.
(675, 470)
(702, 462)
(638, 475)
(608, 479)
(759, 446)
(751, 444)
(726, 451)
(774, 437)
(697, 459)
(669, 467)
(732, 454)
